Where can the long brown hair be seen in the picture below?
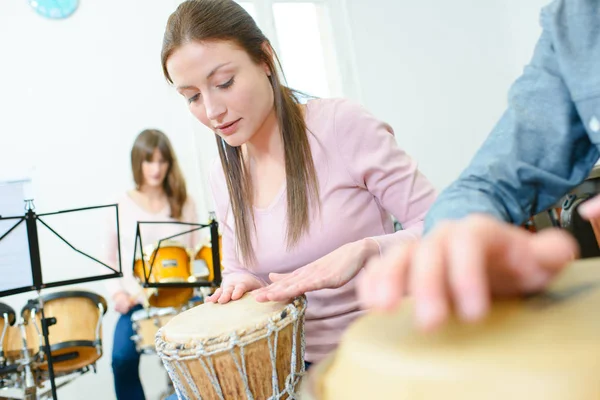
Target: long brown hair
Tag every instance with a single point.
(174, 184)
(214, 20)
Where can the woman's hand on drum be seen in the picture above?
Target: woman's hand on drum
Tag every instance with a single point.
(123, 302)
(331, 271)
(465, 262)
(234, 288)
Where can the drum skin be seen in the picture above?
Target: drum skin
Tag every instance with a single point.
(544, 346)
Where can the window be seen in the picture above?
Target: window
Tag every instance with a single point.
(304, 35)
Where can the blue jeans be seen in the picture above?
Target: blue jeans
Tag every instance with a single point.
(126, 361)
(174, 396)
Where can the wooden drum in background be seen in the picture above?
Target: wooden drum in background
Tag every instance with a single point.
(76, 338)
(146, 323)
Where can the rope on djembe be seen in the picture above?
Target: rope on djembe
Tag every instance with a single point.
(174, 355)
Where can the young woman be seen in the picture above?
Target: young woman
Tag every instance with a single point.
(300, 189)
(159, 195)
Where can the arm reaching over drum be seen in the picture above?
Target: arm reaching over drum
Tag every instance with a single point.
(376, 164)
(464, 263)
(544, 145)
(332, 271)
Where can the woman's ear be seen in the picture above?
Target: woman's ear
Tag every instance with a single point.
(267, 48)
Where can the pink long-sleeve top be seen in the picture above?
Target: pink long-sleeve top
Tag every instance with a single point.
(364, 178)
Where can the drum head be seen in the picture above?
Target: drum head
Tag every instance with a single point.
(543, 346)
(152, 313)
(211, 320)
(33, 303)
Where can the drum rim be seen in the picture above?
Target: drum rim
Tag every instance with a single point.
(96, 298)
(162, 311)
(6, 309)
(221, 343)
(74, 343)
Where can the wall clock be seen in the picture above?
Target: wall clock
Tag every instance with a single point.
(54, 9)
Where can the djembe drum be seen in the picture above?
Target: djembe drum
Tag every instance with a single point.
(240, 350)
(545, 346)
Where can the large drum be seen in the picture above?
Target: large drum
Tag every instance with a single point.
(239, 350)
(76, 338)
(545, 346)
(169, 263)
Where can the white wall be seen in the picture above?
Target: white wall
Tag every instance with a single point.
(75, 93)
(439, 71)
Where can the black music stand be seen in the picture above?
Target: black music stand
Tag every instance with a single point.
(214, 241)
(31, 218)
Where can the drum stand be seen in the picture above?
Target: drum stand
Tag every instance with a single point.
(31, 219)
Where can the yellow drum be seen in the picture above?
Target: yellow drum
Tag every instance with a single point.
(242, 349)
(170, 263)
(138, 270)
(541, 347)
(76, 338)
(203, 261)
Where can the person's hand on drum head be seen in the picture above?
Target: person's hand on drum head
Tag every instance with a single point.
(329, 272)
(234, 287)
(463, 264)
(123, 302)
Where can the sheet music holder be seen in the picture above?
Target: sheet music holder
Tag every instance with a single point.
(31, 219)
(214, 240)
